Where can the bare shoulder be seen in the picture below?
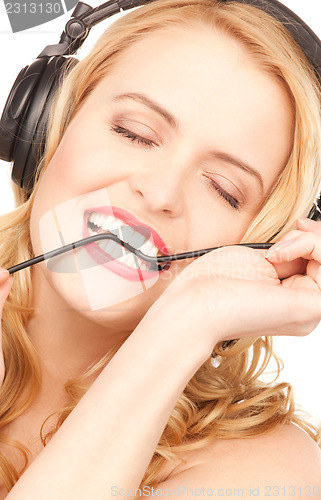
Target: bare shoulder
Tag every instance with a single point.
(284, 462)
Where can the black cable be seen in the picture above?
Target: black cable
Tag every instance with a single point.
(154, 261)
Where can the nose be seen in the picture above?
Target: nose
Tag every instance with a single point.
(163, 187)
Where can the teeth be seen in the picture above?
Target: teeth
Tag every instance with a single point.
(137, 240)
(129, 260)
(92, 218)
(108, 222)
(116, 252)
(103, 221)
(105, 244)
(112, 248)
(99, 220)
(149, 249)
(144, 266)
(126, 233)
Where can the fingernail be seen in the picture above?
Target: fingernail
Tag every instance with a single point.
(273, 251)
(307, 222)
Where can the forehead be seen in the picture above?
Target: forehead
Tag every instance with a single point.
(169, 57)
(203, 57)
(215, 89)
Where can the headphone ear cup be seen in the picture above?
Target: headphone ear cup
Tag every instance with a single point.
(17, 105)
(315, 212)
(32, 138)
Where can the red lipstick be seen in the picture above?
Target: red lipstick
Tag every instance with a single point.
(106, 260)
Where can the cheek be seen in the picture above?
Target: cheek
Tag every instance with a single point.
(86, 161)
(217, 226)
(77, 167)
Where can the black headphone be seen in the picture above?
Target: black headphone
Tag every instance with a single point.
(25, 115)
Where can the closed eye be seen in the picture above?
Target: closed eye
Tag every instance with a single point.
(133, 137)
(232, 201)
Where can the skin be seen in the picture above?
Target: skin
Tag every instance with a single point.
(228, 104)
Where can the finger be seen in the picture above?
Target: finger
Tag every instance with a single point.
(305, 224)
(306, 246)
(287, 269)
(4, 275)
(299, 281)
(295, 309)
(289, 236)
(313, 267)
(314, 271)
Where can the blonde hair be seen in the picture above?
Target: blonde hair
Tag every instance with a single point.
(227, 401)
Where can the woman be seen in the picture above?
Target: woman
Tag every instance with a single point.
(175, 98)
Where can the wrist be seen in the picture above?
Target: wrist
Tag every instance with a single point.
(178, 331)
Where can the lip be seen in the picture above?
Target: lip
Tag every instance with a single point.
(114, 265)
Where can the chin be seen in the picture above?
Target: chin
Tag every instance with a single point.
(68, 295)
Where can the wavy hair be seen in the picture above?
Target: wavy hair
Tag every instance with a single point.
(225, 401)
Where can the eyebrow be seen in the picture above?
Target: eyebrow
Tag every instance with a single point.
(233, 160)
(142, 98)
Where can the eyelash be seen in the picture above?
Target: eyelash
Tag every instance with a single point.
(133, 137)
(146, 142)
(232, 201)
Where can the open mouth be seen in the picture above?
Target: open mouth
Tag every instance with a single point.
(138, 237)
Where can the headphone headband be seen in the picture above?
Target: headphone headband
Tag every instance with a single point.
(25, 116)
(300, 31)
(85, 17)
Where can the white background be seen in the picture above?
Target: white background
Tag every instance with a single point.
(301, 355)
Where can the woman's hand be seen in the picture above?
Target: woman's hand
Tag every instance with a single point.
(236, 292)
(299, 250)
(5, 287)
